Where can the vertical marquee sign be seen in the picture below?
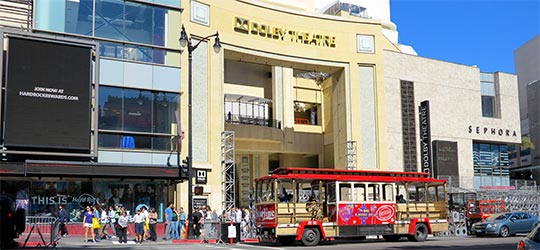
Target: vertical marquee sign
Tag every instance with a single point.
(425, 137)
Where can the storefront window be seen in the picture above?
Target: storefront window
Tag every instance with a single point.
(43, 197)
(131, 110)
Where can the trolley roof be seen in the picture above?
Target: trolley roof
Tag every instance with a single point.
(349, 175)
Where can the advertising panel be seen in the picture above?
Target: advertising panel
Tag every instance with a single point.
(48, 96)
(266, 215)
(366, 213)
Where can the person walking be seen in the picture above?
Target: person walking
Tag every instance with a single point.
(62, 219)
(152, 217)
(122, 228)
(168, 221)
(104, 222)
(112, 221)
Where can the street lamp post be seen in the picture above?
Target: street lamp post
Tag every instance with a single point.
(185, 40)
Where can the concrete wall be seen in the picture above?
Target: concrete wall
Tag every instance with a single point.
(453, 91)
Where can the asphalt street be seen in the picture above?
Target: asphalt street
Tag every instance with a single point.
(439, 243)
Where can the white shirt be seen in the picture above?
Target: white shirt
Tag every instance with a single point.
(145, 214)
(104, 217)
(138, 218)
(238, 217)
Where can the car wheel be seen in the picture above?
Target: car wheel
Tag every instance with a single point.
(311, 237)
(420, 233)
(504, 231)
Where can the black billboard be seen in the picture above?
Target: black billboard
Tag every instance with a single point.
(48, 96)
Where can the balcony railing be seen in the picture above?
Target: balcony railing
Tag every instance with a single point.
(250, 120)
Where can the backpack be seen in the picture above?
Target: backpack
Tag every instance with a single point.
(243, 213)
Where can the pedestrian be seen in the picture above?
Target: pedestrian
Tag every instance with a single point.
(196, 219)
(62, 219)
(122, 228)
(87, 225)
(139, 226)
(182, 220)
(104, 222)
(152, 217)
(144, 212)
(96, 225)
(174, 224)
(168, 221)
(112, 221)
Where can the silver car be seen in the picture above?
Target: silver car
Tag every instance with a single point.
(505, 224)
(532, 241)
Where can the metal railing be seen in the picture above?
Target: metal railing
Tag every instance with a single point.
(251, 120)
(46, 229)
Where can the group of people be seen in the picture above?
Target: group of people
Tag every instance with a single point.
(103, 224)
(176, 220)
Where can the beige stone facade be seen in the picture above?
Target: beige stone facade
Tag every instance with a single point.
(263, 85)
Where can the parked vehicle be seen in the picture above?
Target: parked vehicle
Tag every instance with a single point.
(505, 224)
(532, 241)
(309, 205)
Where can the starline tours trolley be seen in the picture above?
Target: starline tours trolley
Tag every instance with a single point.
(310, 205)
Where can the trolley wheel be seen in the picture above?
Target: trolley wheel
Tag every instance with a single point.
(504, 231)
(311, 237)
(286, 240)
(420, 233)
(392, 238)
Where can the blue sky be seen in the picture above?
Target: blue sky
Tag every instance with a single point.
(470, 32)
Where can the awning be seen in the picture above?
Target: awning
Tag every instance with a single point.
(88, 169)
(521, 169)
(246, 99)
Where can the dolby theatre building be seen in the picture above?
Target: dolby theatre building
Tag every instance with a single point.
(298, 84)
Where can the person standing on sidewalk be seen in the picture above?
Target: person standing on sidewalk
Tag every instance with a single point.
(174, 222)
(62, 219)
(182, 221)
(87, 224)
(168, 221)
(139, 227)
(122, 228)
(152, 217)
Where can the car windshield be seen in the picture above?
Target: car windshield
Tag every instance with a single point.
(498, 217)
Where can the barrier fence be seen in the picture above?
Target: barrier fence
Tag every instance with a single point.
(221, 232)
(44, 230)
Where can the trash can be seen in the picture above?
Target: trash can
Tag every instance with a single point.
(225, 232)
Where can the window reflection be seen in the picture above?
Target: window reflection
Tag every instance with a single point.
(137, 53)
(110, 108)
(164, 110)
(110, 19)
(130, 21)
(136, 110)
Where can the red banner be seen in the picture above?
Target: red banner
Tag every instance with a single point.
(366, 213)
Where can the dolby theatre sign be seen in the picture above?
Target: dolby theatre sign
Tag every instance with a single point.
(254, 28)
